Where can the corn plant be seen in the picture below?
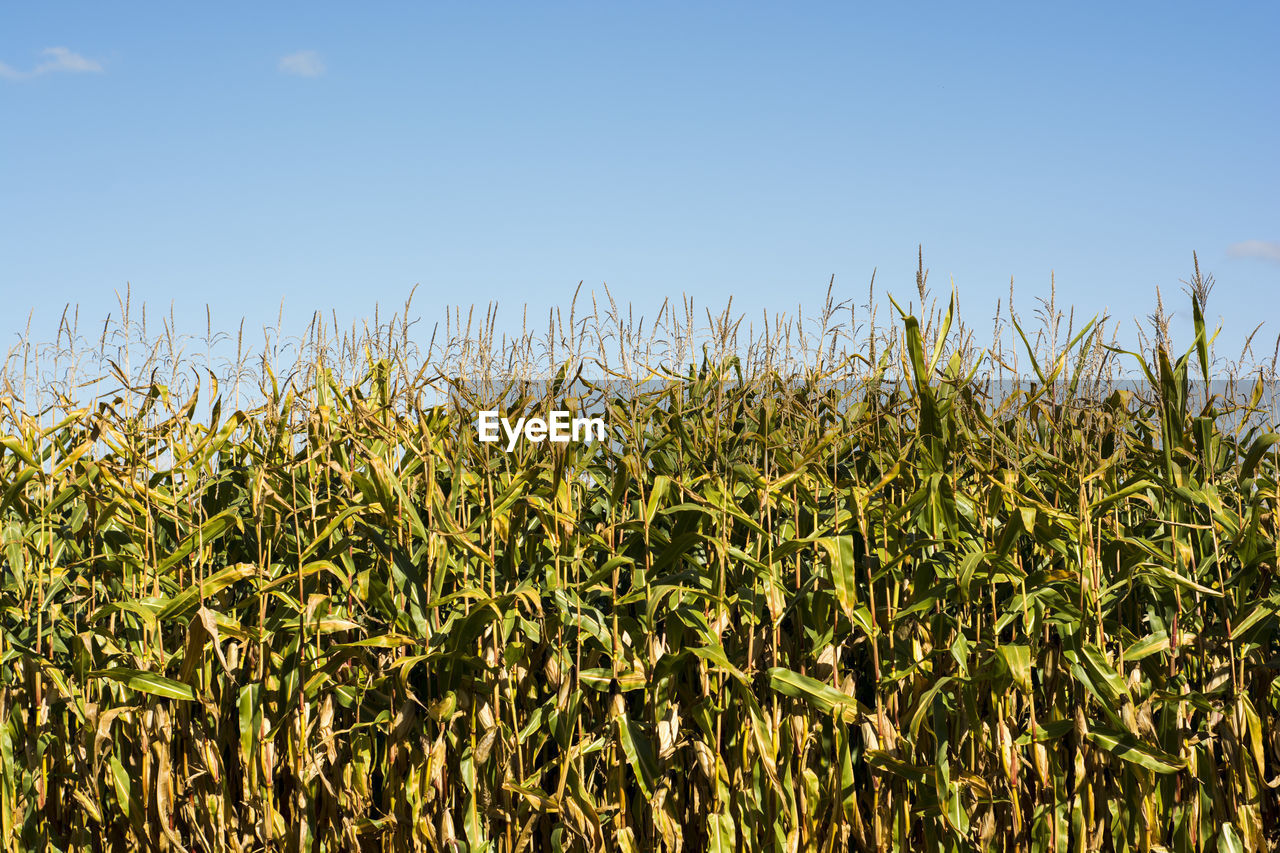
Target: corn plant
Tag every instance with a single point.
(806, 596)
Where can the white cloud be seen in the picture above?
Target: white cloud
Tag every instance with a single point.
(56, 59)
(304, 63)
(1267, 250)
(62, 59)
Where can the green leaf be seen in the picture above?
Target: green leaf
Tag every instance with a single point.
(249, 707)
(825, 698)
(207, 534)
(840, 552)
(720, 834)
(1017, 659)
(639, 752)
(1169, 578)
(714, 653)
(954, 811)
(1104, 676)
(913, 773)
(187, 600)
(147, 682)
(1229, 841)
(656, 493)
(1125, 746)
(1254, 455)
(1267, 609)
(1146, 647)
(1202, 340)
(122, 783)
(942, 334)
(1131, 490)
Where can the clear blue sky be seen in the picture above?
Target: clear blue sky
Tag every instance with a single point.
(334, 155)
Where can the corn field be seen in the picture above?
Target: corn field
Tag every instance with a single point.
(821, 588)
